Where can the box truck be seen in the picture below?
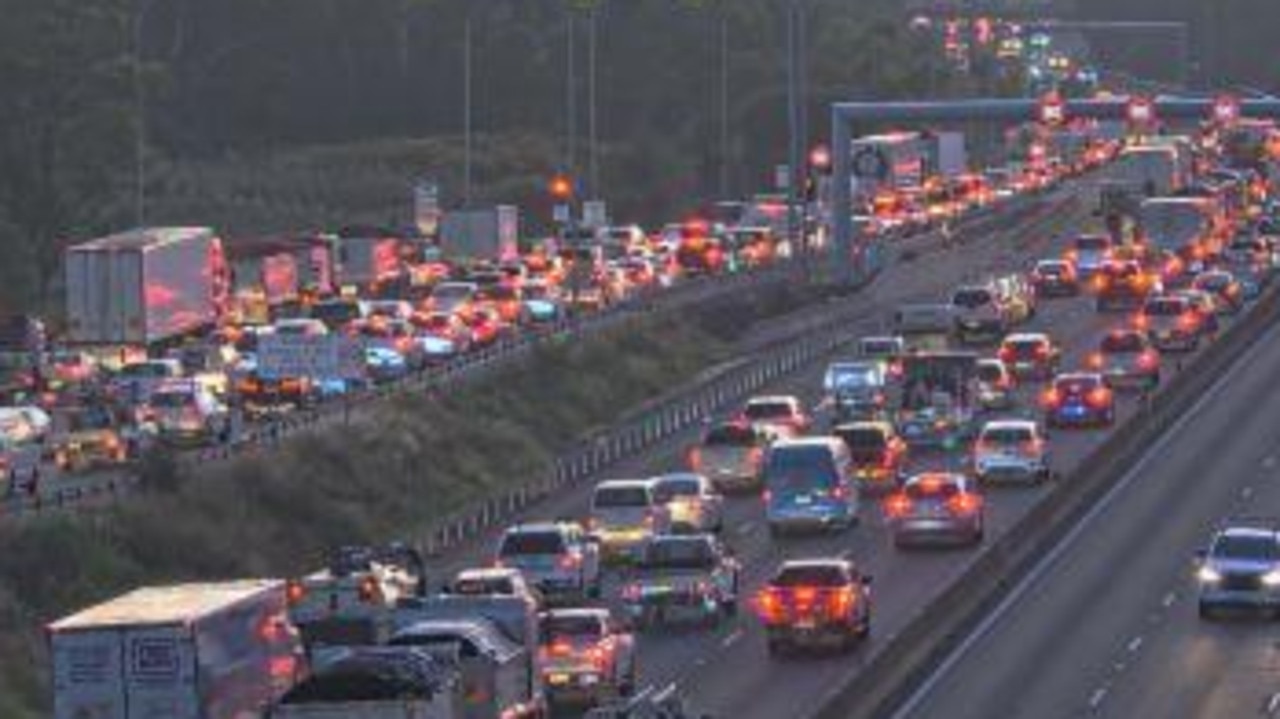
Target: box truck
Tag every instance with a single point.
(145, 286)
(492, 233)
(190, 651)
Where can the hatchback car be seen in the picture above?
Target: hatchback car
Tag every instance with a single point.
(690, 502)
(625, 513)
(1079, 399)
(1126, 358)
(877, 453)
(558, 558)
(935, 507)
(1241, 570)
(1010, 450)
(1030, 355)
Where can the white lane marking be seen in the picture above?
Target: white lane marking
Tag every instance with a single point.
(1246, 492)
(745, 528)
(908, 707)
(1134, 644)
(1095, 700)
(733, 637)
(1169, 599)
(1269, 462)
(1273, 704)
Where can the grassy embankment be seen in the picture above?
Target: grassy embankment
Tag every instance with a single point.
(276, 514)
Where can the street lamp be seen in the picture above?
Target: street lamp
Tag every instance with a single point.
(141, 9)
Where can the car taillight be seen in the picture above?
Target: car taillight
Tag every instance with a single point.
(769, 605)
(755, 456)
(897, 505)
(695, 459)
(839, 492)
(368, 591)
(1188, 321)
(294, 592)
(1099, 397)
(1042, 351)
(1148, 360)
(766, 497)
(964, 503)
(631, 592)
(1095, 360)
(570, 561)
(1141, 322)
(1051, 398)
(840, 601)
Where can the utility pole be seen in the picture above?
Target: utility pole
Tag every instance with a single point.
(571, 97)
(141, 8)
(795, 233)
(466, 111)
(724, 103)
(592, 136)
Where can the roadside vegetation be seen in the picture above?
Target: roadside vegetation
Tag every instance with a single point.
(277, 513)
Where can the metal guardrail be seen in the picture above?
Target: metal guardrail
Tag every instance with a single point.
(941, 623)
(603, 449)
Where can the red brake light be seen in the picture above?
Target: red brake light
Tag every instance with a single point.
(769, 605)
(368, 591)
(897, 505)
(570, 561)
(1006, 353)
(1148, 360)
(1051, 398)
(1095, 360)
(1141, 321)
(294, 592)
(964, 503)
(695, 459)
(1099, 397)
(1188, 320)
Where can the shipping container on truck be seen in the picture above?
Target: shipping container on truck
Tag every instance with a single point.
(891, 161)
(189, 651)
(367, 257)
(264, 274)
(492, 233)
(952, 157)
(145, 286)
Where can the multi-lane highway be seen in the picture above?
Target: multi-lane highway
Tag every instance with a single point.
(711, 668)
(1106, 624)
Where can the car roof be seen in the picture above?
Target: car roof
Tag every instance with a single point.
(943, 477)
(1027, 337)
(1009, 424)
(1078, 376)
(584, 612)
(482, 573)
(827, 442)
(866, 424)
(625, 484)
(773, 398)
(1247, 531)
(538, 527)
(818, 563)
(678, 476)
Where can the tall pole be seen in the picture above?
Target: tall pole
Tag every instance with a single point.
(571, 98)
(592, 139)
(793, 130)
(724, 104)
(466, 111)
(140, 8)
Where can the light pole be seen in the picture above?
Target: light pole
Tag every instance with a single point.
(141, 8)
(571, 97)
(592, 138)
(466, 111)
(793, 126)
(724, 103)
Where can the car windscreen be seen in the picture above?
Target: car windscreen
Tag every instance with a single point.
(1076, 385)
(1007, 435)
(476, 586)
(810, 576)
(862, 438)
(932, 489)
(451, 292)
(1165, 306)
(879, 348)
(1051, 269)
(1124, 342)
(335, 312)
(571, 625)
(971, 298)
(519, 543)
(767, 410)
(692, 553)
(144, 370)
(1092, 244)
(990, 372)
(171, 400)
(1024, 349)
(1245, 546)
(800, 468)
(731, 435)
(851, 377)
(669, 488)
(621, 497)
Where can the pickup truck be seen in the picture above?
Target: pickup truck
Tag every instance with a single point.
(376, 683)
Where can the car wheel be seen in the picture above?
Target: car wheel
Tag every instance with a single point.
(1204, 611)
(864, 626)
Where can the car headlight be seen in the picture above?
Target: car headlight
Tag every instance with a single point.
(1272, 578)
(1208, 575)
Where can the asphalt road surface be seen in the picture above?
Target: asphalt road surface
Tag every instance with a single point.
(1106, 625)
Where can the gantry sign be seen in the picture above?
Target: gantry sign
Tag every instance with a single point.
(849, 254)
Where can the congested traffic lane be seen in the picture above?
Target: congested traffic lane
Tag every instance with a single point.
(711, 666)
(1143, 651)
